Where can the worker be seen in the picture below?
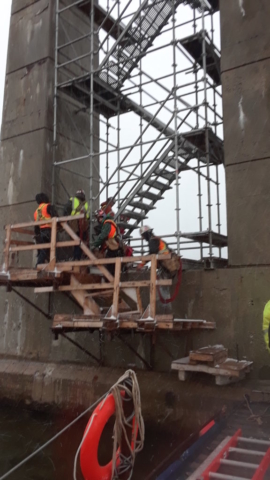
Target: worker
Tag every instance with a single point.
(76, 206)
(158, 246)
(109, 239)
(45, 211)
(266, 325)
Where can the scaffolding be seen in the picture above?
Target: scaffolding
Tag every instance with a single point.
(154, 61)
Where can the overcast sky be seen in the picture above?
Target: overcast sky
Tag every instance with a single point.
(5, 6)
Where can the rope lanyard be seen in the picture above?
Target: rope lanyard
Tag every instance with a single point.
(165, 301)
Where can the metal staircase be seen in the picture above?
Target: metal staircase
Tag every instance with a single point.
(135, 39)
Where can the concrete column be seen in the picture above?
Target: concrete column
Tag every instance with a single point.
(246, 98)
(26, 156)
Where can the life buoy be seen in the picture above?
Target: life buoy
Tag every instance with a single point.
(91, 469)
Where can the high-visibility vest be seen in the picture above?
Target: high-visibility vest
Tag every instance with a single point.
(163, 248)
(113, 230)
(78, 206)
(266, 325)
(41, 214)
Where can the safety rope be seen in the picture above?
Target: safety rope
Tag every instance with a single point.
(20, 464)
(129, 384)
(165, 301)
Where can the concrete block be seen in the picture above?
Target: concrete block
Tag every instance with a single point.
(248, 229)
(246, 101)
(31, 36)
(245, 34)
(23, 160)
(28, 103)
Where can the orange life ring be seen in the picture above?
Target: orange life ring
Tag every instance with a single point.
(91, 469)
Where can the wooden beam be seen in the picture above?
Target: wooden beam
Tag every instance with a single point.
(117, 275)
(35, 246)
(87, 252)
(109, 261)
(99, 286)
(53, 244)
(23, 231)
(68, 243)
(18, 226)
(21, 242)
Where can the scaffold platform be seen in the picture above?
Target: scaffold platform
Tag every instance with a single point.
(107, 301)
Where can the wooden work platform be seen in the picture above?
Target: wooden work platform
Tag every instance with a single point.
(126, 321)
(109, 303)
(214, 361)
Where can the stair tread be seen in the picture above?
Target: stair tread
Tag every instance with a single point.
(141, 205)
(149, 195)
(136, 215)
(158, 185)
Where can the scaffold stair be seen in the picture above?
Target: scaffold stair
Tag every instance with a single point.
(155, 181)
(145, 25)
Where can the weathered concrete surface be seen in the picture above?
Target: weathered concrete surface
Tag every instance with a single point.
(246, 100)
(165, 400)
(245, 35)
(30, 27)
(248, 201)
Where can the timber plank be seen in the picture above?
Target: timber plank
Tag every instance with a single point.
(212, 355)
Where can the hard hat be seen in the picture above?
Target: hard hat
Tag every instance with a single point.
(110, 201)
(145, 229)
(80, 194)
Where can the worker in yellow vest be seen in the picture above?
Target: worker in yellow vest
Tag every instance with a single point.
(109, 240)
(158, 246)
(266, 325)
(75, 206)
(45, 211)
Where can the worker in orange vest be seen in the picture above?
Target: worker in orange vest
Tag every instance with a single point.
(45, 211)
(108, 241)
(158, 246)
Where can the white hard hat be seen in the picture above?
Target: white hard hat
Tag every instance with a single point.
(144, 229)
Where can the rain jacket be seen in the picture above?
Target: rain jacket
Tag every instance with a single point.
(266, 325)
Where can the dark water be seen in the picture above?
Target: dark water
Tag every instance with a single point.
(22, 431)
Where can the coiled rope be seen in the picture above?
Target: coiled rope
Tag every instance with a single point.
(129, 384)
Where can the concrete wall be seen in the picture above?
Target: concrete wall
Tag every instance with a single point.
(26, 156)
(245, 58)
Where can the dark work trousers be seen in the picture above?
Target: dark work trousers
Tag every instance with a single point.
(77, 254)
(43, 237)
(113, 254)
